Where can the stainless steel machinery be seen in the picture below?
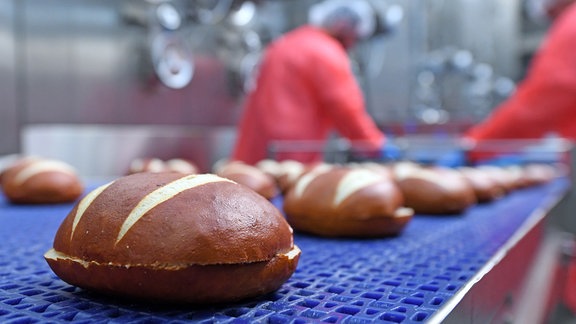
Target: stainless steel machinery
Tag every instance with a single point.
(98, 83)
(9, 121)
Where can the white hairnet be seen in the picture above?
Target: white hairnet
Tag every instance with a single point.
(322, 14)
(537, 10)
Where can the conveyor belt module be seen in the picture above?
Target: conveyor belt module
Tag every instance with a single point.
(405, 279)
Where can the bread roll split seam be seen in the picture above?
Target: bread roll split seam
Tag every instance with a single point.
(52, 254)
(403, 212)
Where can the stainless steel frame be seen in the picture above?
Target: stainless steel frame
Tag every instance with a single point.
(9, 119)
(90, 63)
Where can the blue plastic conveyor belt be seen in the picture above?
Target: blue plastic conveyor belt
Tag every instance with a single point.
(405, 279)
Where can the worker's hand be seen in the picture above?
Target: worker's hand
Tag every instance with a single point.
(390, 151)
(503, 160)
(453, 159)
(547, 150)
(450, 153)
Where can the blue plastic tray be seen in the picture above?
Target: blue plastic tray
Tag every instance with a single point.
(405, 279)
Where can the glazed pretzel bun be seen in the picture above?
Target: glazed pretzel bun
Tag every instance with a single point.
(434, 190)
(340, 201)
(181, 165)
(157, 165)
(284, 172)
(485, 187)
(175, 238)
(537, 174)
(34, 180)
(250, 176)
(146, 165)
(507, 180)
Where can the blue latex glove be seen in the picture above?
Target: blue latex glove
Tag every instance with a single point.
(504, 160)
(453, 159)
(390, 151)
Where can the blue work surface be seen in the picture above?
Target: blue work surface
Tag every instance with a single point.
(404, 279)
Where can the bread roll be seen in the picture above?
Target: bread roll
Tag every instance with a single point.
(35, 180)
(291, 171)
(158, 165)
(508, 180)
(182, 166)
(146, 165)
(250, 176)
(338, 201)
(175, 238)
(434, 190)
(485, 187)
(270, 167)
(517, 176)
(536, 173)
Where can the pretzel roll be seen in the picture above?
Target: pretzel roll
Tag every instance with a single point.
(250, 176)
(33, 180)
(146, 165)
(270, 167)
(485, 187)
(339, 201)
(286, 172)
(175, 238)
(536, 174)
(158, 165)
(434, 190)
(289, 171)
(181, 165)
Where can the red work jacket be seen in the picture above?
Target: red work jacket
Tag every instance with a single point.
(305, 89)
(545, 101)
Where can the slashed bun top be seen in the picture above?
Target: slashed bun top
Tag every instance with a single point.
(40, 180)
(171, 219)
(345, 192)
(26, 168)
(436, 190)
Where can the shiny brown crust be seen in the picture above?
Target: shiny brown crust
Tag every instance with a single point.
(373, 209)
(250, 176)
(436, 191)
(217, 224)
(55, 183)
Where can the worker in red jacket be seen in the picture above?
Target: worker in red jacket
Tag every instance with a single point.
(545, 101)
(306, 87)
